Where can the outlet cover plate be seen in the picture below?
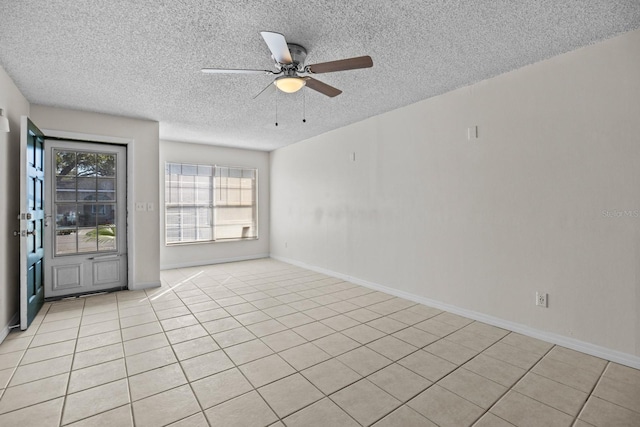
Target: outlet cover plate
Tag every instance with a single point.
(541, 299)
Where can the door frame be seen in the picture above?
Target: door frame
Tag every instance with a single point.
(127, 142)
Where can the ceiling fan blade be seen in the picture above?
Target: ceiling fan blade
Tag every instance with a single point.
(234, 71)
(278, 46)
(341, 65)
(321, 87)
(270, 88)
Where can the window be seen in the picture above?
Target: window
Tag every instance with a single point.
(85, 202)
(206, 203)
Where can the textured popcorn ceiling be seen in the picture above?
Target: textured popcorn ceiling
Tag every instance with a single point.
(143, 58)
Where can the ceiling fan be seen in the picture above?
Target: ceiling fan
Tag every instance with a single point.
(289, 61)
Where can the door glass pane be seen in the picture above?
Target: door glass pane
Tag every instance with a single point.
(87, 188)
(107, 237)
(106, 189)
(66, 215)
(86, 164)
(87, 215)
(65, 163)
(87, 240)
(65, 188)
(66, 242)
(106, 165)
(105, 214)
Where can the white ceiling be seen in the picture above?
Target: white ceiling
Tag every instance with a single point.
(143, 58)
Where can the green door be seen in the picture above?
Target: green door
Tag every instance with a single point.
(31, 221)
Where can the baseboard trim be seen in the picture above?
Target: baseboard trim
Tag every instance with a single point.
(5, 331)
(144, 285)
(212, 261)
(572, 343)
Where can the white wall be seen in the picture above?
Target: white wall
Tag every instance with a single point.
(208, 253)
(481, 225)
(142, 156)
(14, 105)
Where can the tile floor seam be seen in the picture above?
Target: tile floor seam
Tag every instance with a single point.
(89, 416)
(189, 383)
(28, 406)
(584, 405)
(334, 402)
(126, 368)
(581, 369)
(297, 410)
(512, 364)
(73, 357)
(511, 388)
(404, 402)
(337, 390)
(497, 416)
(236, 366)
(24, 352)
(559, 383)
(609, 402)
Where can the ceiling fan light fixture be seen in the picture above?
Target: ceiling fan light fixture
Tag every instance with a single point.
(289, 84)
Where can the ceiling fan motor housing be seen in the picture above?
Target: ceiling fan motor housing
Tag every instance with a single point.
(298, 54)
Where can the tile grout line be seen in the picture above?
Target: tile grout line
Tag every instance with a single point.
(126, 368)
(514, 384)
(584, 405)
(18, 363)
(73, 357)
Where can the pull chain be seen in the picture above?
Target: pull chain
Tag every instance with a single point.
(277, 107)
(304, 107)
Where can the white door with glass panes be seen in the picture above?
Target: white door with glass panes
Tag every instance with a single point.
(86, 218)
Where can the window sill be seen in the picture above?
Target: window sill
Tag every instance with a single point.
(202, 242)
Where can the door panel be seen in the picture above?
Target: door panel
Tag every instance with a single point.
(87, 251)
(31, 221)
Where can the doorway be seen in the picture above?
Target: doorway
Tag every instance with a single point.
(85, 249)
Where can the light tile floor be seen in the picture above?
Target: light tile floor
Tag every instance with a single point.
(264, 343)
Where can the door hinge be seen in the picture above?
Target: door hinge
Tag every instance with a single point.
(25, 216)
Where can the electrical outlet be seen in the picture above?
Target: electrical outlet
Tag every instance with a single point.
(472, 133)
(541, 299)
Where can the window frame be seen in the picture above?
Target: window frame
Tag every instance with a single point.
(212, 205)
